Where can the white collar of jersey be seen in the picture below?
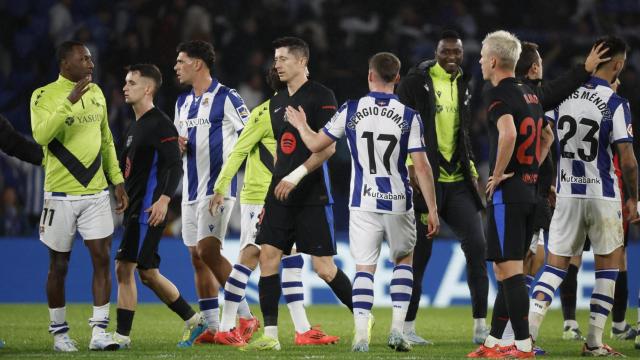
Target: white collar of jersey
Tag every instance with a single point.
(214, 84)
(381, 95)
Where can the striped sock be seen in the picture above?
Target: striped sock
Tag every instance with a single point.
(244, 311)
(100, 319)
(58, 324)
(294, 292)
(211, 312)
(547, 285)
(529, 279)
(362, 298)
(601, 304)
(400, 289)
(234, 291)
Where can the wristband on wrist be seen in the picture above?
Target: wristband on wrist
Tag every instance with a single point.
(296, 175)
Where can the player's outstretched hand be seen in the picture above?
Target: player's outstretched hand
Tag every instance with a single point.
(122, 200)
(215, 202)
(632, 207)
(297, 118)
(283, 189)
(595, 57)
(158, 211)
(493, 183)
(79, 89)
(433, 224)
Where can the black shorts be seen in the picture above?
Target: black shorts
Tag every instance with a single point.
(310, 228)
(542, 214)
(140, 245)
(509, 231)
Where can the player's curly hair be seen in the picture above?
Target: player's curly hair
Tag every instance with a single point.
(199, 49)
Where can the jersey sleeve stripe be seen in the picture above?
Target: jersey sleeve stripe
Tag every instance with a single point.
(353, 145)
(326, 131)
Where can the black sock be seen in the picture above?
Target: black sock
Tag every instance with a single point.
(500, 314)
(620, 298)
(568, 290)
(269, 291)
(182, 308)
(124, 321)
(341, 286)
(517, 299)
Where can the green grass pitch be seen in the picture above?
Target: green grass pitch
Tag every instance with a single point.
(156, 330)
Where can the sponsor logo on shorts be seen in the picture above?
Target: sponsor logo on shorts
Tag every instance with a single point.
(564, 177)
(252, 214)
(211, 227)
(368, 191)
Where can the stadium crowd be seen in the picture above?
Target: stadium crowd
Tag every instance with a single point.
(342, 37)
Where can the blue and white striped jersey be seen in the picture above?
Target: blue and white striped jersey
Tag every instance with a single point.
(380, 131)
(588, 124)
(211, 122)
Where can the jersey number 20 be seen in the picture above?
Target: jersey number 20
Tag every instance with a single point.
(532, 129)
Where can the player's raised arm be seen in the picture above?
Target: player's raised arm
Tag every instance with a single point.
(315, 141)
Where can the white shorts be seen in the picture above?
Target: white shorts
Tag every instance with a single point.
(368, 229)
(576, 218)
(536, 240)
(61, 218)
(249, 216)
(198, 223)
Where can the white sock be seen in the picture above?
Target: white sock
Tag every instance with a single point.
(362, 298)
(524, 345)
(271, 331)
(244, 311)
(547, 285)
(400, 291)
(490, 341)
(234, 292)
(601, 304)
(293, 291)
(619, 325)
(194, 320)
(211, 312)
(100, 319)
(409, 326)
(573, 324)
(57, 318)
(479, 323)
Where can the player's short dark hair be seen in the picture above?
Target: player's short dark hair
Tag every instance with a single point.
(528, 57)
(450, 35)
(199, 49)
(615, 46)
(273, 80)
(294, 44)
(64, 49)
(149, 71)
(386, 65)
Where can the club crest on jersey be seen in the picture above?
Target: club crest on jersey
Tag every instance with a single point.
(69, 121)
(288, 143)
(205, 102)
